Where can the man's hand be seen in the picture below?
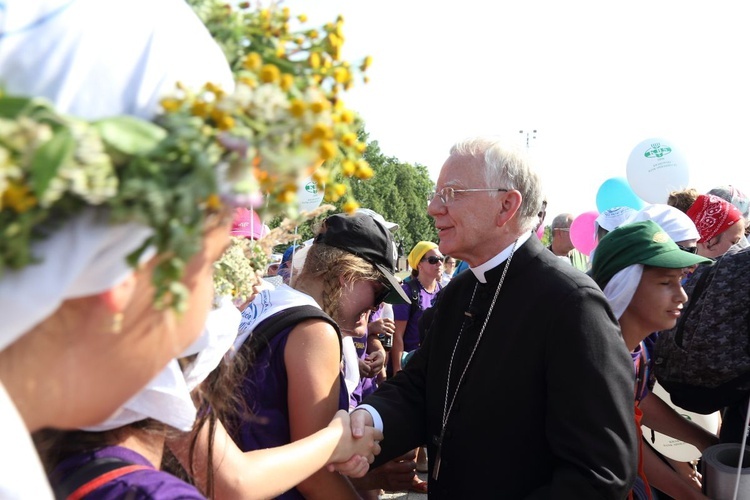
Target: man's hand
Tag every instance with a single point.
(359, 419)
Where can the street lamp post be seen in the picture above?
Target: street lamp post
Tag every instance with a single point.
(530, 135)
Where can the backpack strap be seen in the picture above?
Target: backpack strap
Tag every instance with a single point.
(92, 475)
(642, 372)
(264, 332)
(414, 296)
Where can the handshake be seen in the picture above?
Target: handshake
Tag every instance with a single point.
(359, 443)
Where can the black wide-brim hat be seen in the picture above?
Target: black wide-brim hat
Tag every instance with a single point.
(361, 235)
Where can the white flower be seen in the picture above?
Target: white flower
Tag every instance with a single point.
(8, 170)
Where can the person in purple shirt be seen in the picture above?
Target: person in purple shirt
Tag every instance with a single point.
(426, 263)
(121, 457)
(295, 384)
(140, 479)
(371, 356)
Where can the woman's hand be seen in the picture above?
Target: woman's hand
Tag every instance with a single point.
(352, 456)
(375, 361)
(381, 326)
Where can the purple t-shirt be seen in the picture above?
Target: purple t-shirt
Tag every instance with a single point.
(140, 484)
(401, 313)
(367, 385)
(265, 389)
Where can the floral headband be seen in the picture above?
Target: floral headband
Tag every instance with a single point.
(161, 176)
(209, 149)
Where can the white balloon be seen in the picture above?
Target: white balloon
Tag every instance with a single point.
(674, 448)
(308, 195)
(655, 168)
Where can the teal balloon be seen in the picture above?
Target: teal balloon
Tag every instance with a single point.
(616, 192)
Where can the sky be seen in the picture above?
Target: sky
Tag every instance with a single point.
(593, 78)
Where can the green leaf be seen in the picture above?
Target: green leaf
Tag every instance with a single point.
(11, 107)
(129, 135)
(48, 159)
(36, 108)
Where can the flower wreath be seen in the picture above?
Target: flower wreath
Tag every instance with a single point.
(209, 148)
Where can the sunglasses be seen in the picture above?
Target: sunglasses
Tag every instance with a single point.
(381, 295)
(434, 260)
(688, 249)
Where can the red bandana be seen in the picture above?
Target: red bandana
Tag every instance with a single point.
(712, 215)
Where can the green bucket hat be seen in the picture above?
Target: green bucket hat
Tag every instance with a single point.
(638, 243)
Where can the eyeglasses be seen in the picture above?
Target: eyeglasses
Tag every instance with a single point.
(433, 260)
(688, 249)
(448, 194)
(563, 229)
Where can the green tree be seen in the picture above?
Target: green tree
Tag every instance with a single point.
(399, 191)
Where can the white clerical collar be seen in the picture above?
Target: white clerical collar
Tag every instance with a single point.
(498, 259)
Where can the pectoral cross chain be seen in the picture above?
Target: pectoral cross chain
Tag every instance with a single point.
(438, 441)
(450, 399)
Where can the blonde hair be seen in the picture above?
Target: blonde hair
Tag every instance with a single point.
(328, 264)
(683, 199)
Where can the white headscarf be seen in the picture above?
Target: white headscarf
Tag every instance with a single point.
(84, 257)
(167, 397)
(621, 288)
(99, 58)
(672, 220)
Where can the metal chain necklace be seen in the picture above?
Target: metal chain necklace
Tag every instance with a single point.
(438, 440)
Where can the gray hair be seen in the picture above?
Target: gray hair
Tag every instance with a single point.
(562, 221)
(506, 166)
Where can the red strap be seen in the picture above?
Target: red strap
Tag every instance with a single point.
(87, 488)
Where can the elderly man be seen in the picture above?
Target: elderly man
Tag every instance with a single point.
(561, 244)
(523, 374)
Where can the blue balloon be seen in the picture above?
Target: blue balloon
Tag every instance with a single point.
(616, 192)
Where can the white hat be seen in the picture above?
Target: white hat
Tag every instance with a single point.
(614, 217)
(673, 221)
(391, 226)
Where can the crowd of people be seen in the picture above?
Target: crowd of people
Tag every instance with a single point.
(334, 379)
